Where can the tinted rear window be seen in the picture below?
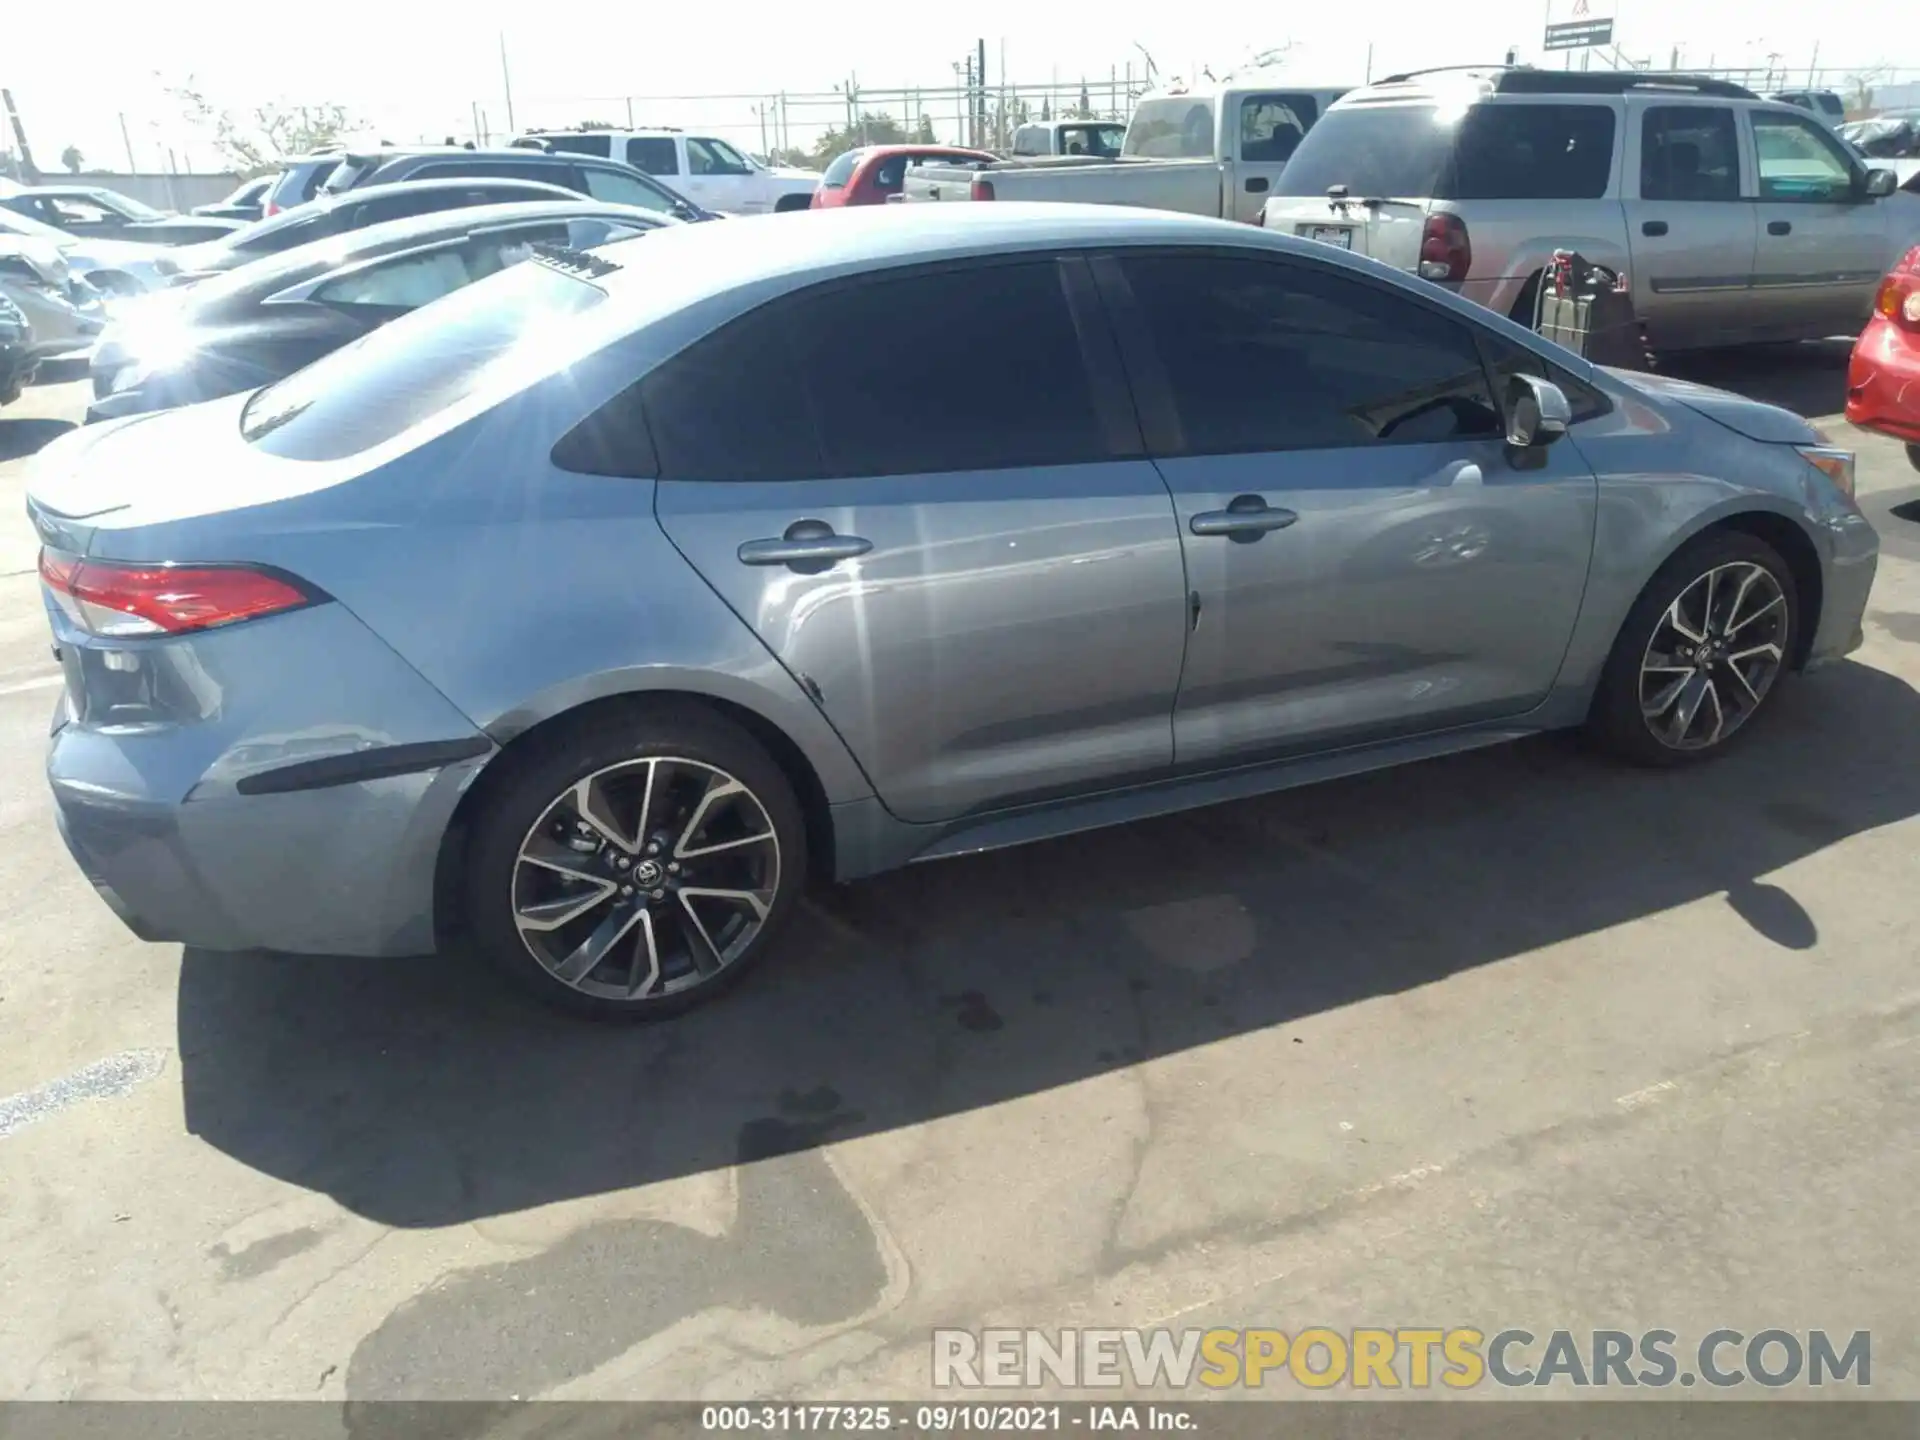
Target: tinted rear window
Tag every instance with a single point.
(1532, 152)
(1497, 152)
(285, 230)
(405, 372)
(1389, 151)
(654, 154)
(841, 170)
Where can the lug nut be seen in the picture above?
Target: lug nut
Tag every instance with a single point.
(653, 847)
(620, 862)
(673, 867)
(658, 894)
(626, 891)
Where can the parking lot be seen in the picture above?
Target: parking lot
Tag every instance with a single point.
(1511, 1039)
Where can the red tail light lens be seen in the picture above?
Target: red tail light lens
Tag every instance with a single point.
(983, 190)
(111, 599)
(1446, 253)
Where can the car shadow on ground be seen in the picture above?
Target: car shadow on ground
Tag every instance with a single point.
(1809, 379)
(19, 438)
(62, 371)
(420, 1093)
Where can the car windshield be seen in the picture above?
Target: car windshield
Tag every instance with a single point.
(841, 170)
(13, 222)
(1172, 129)
(1387, 152)
(406, 372)
(125, 204)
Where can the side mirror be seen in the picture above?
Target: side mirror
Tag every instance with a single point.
(1880, 183)
(1537, 412)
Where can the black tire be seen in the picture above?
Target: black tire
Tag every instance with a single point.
(684, 740)
(1913, 456)
(787, 204)
(1524, 309)
(1619, 722)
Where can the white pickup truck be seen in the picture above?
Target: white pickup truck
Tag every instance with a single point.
(1215, 151)
(704, 168)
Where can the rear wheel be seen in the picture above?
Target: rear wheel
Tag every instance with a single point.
(786, 204)
(637, 865)
(1913, 456)
(1701, 653)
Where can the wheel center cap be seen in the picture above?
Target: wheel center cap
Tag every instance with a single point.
(648, 874)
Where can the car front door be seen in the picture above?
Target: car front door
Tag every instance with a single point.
(1821, 246)
(947, 533)
(1690, 231)
(1269, 128)
(719, 178)
(1366, 559)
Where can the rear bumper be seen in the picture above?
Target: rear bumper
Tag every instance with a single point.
(1883, 381)
(236, 791)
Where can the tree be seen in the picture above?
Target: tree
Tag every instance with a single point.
(923, 133)
(260, 138)
(73, 159)
(874, 127)
(1860, 87)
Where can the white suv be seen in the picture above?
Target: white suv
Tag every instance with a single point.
(706, 169)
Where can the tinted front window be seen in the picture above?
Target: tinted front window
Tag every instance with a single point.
(714, 157)
(401, 374)
(1533, 152)
(653, 154)
(1101, 140)
(1388, 151)
(1173, 129)
(831, 384)
(1264, 355)
(1689, 152)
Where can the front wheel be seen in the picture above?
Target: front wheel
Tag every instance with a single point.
(1700, 654)
(636, 865)
(1913, 456)
(787, 204)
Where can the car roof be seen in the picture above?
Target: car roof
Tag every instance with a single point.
(1528, 80)
(403, 234)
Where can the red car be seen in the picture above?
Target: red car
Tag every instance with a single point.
(1883, 378)
(869, 176)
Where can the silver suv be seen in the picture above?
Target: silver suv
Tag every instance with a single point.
(1735, 218)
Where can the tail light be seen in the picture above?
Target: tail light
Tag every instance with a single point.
(111, 599)
(271, 208)
(1445, 251)
(1899, 297)
(982, 190)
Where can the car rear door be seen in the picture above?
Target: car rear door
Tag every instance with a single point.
(1690, 225)
(1265, 129)
(1366, 560)
(1820, 246)
(947, 533)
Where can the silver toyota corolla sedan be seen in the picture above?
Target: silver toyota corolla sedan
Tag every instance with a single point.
(592, 612)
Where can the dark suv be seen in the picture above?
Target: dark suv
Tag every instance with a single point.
(602, 179)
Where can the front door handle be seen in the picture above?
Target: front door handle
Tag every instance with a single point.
(809, 543)
(1653, 227)
(1247, 517)
(1779, 227)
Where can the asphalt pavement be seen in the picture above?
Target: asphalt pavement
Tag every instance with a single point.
(1516, 1038)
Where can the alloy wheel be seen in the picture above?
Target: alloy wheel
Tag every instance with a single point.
(646, 878)
(1714, 654)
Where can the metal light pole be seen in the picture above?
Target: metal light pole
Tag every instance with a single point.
(506, 81)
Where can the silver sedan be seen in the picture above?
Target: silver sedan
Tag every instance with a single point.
(594, 611)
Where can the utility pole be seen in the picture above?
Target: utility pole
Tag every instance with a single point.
(29, 171)
(980, 90)
(126, 139)
(506, 82)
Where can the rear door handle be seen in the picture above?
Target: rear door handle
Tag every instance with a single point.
(1257, 185)
(1653, 227)
(1779, 227)
(1247, 517)
(811, 543)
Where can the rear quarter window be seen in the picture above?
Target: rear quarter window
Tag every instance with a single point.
(1532, 152)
